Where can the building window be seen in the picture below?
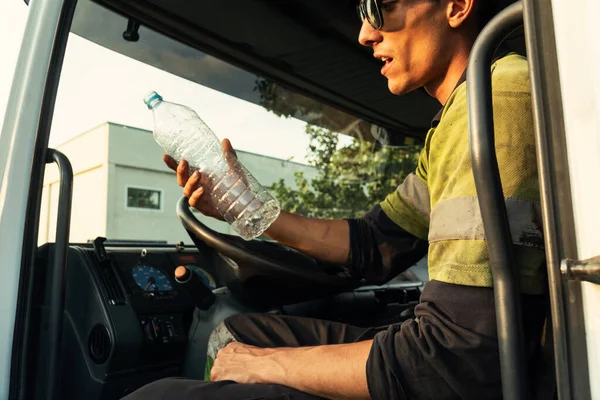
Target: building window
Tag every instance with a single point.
(147, 199)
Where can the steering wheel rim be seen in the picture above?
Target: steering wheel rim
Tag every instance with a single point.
(227, 245)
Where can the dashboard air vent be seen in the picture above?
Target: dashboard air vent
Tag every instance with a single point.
(112, 287)
(108, 280)
(99, 344)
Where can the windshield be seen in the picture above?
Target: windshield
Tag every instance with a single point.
(315, 160)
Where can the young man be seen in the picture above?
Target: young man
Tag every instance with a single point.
(450, 349)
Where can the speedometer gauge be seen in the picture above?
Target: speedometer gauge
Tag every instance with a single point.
(151, 279)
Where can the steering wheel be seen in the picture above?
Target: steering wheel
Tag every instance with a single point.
(257, 257)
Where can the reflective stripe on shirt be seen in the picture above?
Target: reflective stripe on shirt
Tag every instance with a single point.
(416, 194)
(460, 219)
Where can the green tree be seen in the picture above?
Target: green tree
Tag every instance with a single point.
(351, 178)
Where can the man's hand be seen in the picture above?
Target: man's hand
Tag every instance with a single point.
(243, 363)
(194, 184)
(331, 371)
(327, 240)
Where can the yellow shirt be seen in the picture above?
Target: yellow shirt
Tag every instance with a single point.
(439, 202)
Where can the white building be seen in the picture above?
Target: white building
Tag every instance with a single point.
(123, 191)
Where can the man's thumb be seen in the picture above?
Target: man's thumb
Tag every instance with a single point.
(228, 147)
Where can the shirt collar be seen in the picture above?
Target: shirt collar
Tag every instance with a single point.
(502, 52)
(436, 120)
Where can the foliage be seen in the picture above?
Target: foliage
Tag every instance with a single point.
(351, 178)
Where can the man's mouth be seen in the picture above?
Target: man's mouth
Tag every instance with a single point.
(387, 61)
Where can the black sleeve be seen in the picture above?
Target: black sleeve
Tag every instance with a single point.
(380, 249)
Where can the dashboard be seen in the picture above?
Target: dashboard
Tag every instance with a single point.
(147, 274)
(127, 318)
(128, 321)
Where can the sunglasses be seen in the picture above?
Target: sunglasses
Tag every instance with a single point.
(370, 10)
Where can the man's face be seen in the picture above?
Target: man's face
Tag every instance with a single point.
(413, 42)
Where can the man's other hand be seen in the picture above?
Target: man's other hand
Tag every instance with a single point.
(243, 363)
(331, 371)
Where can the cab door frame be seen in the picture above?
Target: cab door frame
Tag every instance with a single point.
(23, 151)
(578, 65)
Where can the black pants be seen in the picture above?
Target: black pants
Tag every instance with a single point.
(449, 351)
(261, 330)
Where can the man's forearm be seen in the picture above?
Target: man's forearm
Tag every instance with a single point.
(327, 240)
(331, 371)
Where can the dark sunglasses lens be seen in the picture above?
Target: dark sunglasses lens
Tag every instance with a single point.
(360, 11)
(371, 9)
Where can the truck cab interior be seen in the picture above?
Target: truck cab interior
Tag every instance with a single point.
(126, 320)
(98, 319)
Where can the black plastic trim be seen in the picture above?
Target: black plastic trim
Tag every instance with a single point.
(162, 21)
(492, 205)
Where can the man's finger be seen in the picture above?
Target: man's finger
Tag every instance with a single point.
(170, 161)
(214, 376)
(232, 160)
(234, 345)
(183, 173)
(226, 144)
(191, 185)
(195, 197)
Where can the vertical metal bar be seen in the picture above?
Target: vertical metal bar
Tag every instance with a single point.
(507, 292)
(541, 49)
(58, 284)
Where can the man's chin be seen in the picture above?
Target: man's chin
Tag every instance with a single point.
(399, 88)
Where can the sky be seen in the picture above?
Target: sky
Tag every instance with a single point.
(99, 85)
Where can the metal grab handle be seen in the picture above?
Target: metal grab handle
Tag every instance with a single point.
(61, 246)
(507, 293)
(586, 270)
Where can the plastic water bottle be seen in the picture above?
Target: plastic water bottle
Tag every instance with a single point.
(247, 206)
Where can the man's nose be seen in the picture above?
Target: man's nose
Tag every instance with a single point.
(367, 35)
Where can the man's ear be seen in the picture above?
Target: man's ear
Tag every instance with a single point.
(459, 12)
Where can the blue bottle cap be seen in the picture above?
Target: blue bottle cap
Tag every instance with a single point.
(152, 99)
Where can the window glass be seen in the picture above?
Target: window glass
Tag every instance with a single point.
(143, 198)
(315, 160)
